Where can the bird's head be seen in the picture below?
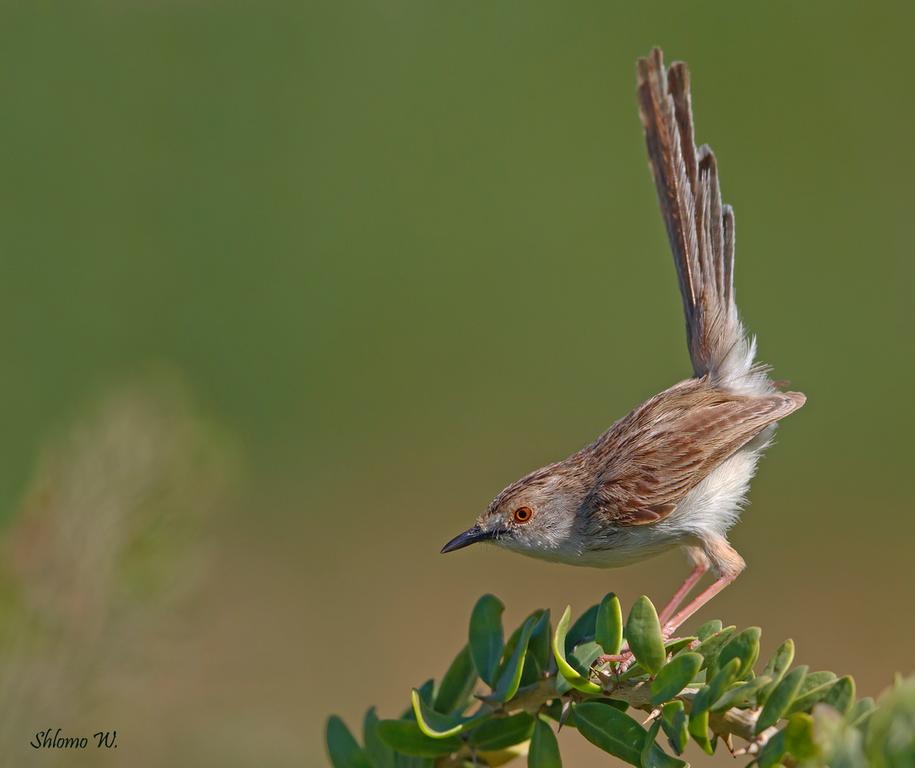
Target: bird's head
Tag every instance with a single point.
(534, 515)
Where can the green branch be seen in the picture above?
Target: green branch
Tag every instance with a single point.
(596, 674)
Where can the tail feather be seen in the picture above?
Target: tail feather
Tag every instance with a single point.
(700, 228)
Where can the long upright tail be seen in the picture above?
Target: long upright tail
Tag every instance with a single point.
(700, 229)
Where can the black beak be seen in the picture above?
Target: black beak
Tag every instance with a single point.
(468, 537)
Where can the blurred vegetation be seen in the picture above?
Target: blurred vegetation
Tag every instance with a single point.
(700, 688)
(404, 251)
(108, 543)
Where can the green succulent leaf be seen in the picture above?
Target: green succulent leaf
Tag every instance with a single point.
(486, 638)
(799, 739)
(775, 670)
(635, 671)
(406, 737)
(609, 624)
(343, 749)
(776, 706)
(536, 661)
(708, 629)
(380, 754)
(744, 646)
(582, 629)
(701, 704)
(678, 644)
(860, 711)
(566, 670)
(544, 749)
(772, 752)
(407, 761)
(650, 736)
(741, 694)
(840, 695)
(584, 656)
(890, 738)
(611, 730)
(457, 684)
(674, 677)
(814, 688)
(531, 671)
(425, 691)
(712, 645)
(668, 676)
(431, 723)
(509, 648)
(539, 646)
(510, 676)
(502, 732)
(655, 757)
(622, 706)
(581, 660)
(673, 721)
(720, 682)
(438, 726)
(816, 680)
(698, 729)
(643, 632)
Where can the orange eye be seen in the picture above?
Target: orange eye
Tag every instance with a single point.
(523, 514)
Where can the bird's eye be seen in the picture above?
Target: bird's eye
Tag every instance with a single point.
(523, 514)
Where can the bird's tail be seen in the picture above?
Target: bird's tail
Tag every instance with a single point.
(700, 229)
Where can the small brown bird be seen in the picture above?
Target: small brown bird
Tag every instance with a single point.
(676, 470)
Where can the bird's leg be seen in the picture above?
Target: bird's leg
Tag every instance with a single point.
(715, 552)
(673, 624)
(697, 573)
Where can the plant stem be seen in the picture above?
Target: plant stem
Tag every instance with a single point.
(734, 721)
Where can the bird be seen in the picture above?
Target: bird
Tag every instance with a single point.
(675, 471)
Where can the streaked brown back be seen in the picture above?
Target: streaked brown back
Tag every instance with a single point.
(658, 453)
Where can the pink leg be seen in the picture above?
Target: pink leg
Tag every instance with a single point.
(701, 599)
(697, 573)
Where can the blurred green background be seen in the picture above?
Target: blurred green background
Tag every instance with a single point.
(403, 252)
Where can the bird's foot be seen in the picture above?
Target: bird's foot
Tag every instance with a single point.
(611, 666)
(621, 662)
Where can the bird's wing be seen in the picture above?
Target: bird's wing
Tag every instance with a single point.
(700, 228)
(652, 458)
